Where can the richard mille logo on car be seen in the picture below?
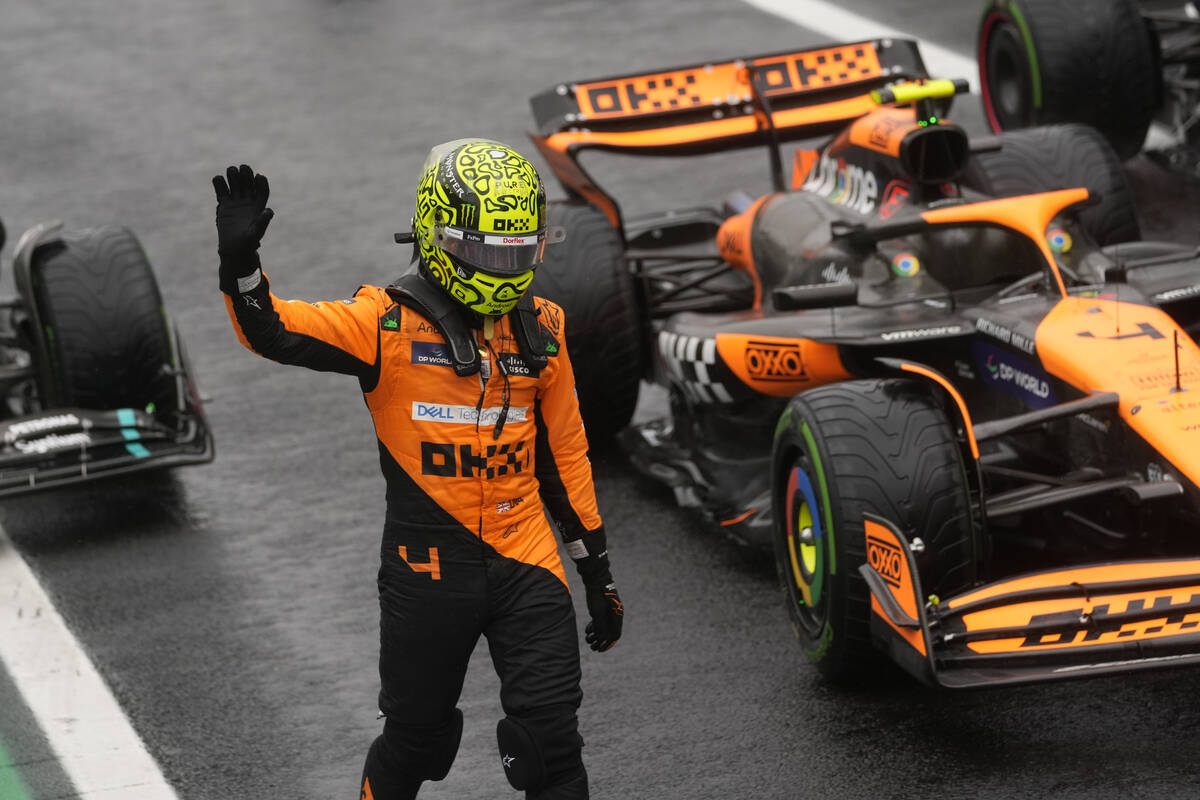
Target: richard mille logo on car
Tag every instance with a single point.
(1005, 334)
(771, 361)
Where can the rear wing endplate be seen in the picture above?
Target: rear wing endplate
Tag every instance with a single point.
(713, 106)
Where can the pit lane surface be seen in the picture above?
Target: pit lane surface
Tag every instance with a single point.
(232, 609)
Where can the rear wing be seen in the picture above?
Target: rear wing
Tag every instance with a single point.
(713, 106)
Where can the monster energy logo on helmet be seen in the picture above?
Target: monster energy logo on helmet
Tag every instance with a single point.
(480, 223)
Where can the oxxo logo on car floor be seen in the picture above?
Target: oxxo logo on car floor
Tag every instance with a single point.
(772, 361)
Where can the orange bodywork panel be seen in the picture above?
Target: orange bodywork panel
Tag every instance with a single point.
(733, 239)
(802, 166)
(883, 130)
(1027, 214)
(940, 380)
(886, 555)
(724, 128)
(1102, 345)
(1089, 618)
(780, 366)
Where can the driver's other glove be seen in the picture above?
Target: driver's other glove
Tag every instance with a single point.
(590, 553)
(242, 219)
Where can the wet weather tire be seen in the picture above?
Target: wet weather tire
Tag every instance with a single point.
(102, 316)
(1051, 61)
(587, 276)
(1061, 157)
(880, 446)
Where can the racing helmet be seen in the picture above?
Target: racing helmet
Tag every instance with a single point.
(480, 223)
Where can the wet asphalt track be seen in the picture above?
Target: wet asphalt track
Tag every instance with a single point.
(232, 607)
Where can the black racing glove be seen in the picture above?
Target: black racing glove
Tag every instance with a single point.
(242, 219)
(603, 602)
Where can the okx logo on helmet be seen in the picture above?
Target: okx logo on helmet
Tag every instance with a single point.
(480, 223)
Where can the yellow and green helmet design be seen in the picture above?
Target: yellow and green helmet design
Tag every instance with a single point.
(480, 223)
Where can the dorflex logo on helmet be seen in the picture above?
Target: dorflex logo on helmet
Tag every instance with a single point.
(480, 223)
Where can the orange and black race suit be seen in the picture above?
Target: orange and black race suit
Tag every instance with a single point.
(467, 549)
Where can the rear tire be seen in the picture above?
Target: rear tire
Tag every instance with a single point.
(587, 276)
(882, 446)
(105, 328)
(1043, 62)
(1061, 157)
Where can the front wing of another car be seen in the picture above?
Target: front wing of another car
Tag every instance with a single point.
(70, 445)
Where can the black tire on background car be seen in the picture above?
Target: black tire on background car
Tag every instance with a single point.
(1043, 62)
(1060, 157)
(105, 329)
(587, 276)
(880, 446)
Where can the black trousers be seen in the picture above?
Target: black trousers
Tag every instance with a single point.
(440, 588)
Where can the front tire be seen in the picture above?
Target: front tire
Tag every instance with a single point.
(105, 330)
(880, 446)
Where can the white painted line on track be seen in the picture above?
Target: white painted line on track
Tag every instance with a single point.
(93, 739)
(844, 26)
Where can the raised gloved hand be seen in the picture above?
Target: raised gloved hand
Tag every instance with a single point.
(242, 219)
(604, 605)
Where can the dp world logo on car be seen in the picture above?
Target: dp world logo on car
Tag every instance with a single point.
(1015, 376)
(773, 361)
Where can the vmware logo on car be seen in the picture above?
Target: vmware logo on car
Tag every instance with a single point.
(1015, 376)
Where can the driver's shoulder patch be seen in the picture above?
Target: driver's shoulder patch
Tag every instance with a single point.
(550, 321)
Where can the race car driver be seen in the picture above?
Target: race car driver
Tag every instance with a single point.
(472, 395)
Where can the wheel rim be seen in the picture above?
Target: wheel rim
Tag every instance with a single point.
(807, 578)
(1007, 79)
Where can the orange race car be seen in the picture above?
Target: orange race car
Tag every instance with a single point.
(941, 378)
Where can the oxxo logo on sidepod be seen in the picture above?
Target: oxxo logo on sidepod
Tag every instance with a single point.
(886, 559)
(771, 361)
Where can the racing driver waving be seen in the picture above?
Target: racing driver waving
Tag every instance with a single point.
(471, 391)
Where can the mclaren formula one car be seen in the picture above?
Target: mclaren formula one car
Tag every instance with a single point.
(942, 378)
(93, 375)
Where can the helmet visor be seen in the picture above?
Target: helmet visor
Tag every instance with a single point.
(493, 253)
